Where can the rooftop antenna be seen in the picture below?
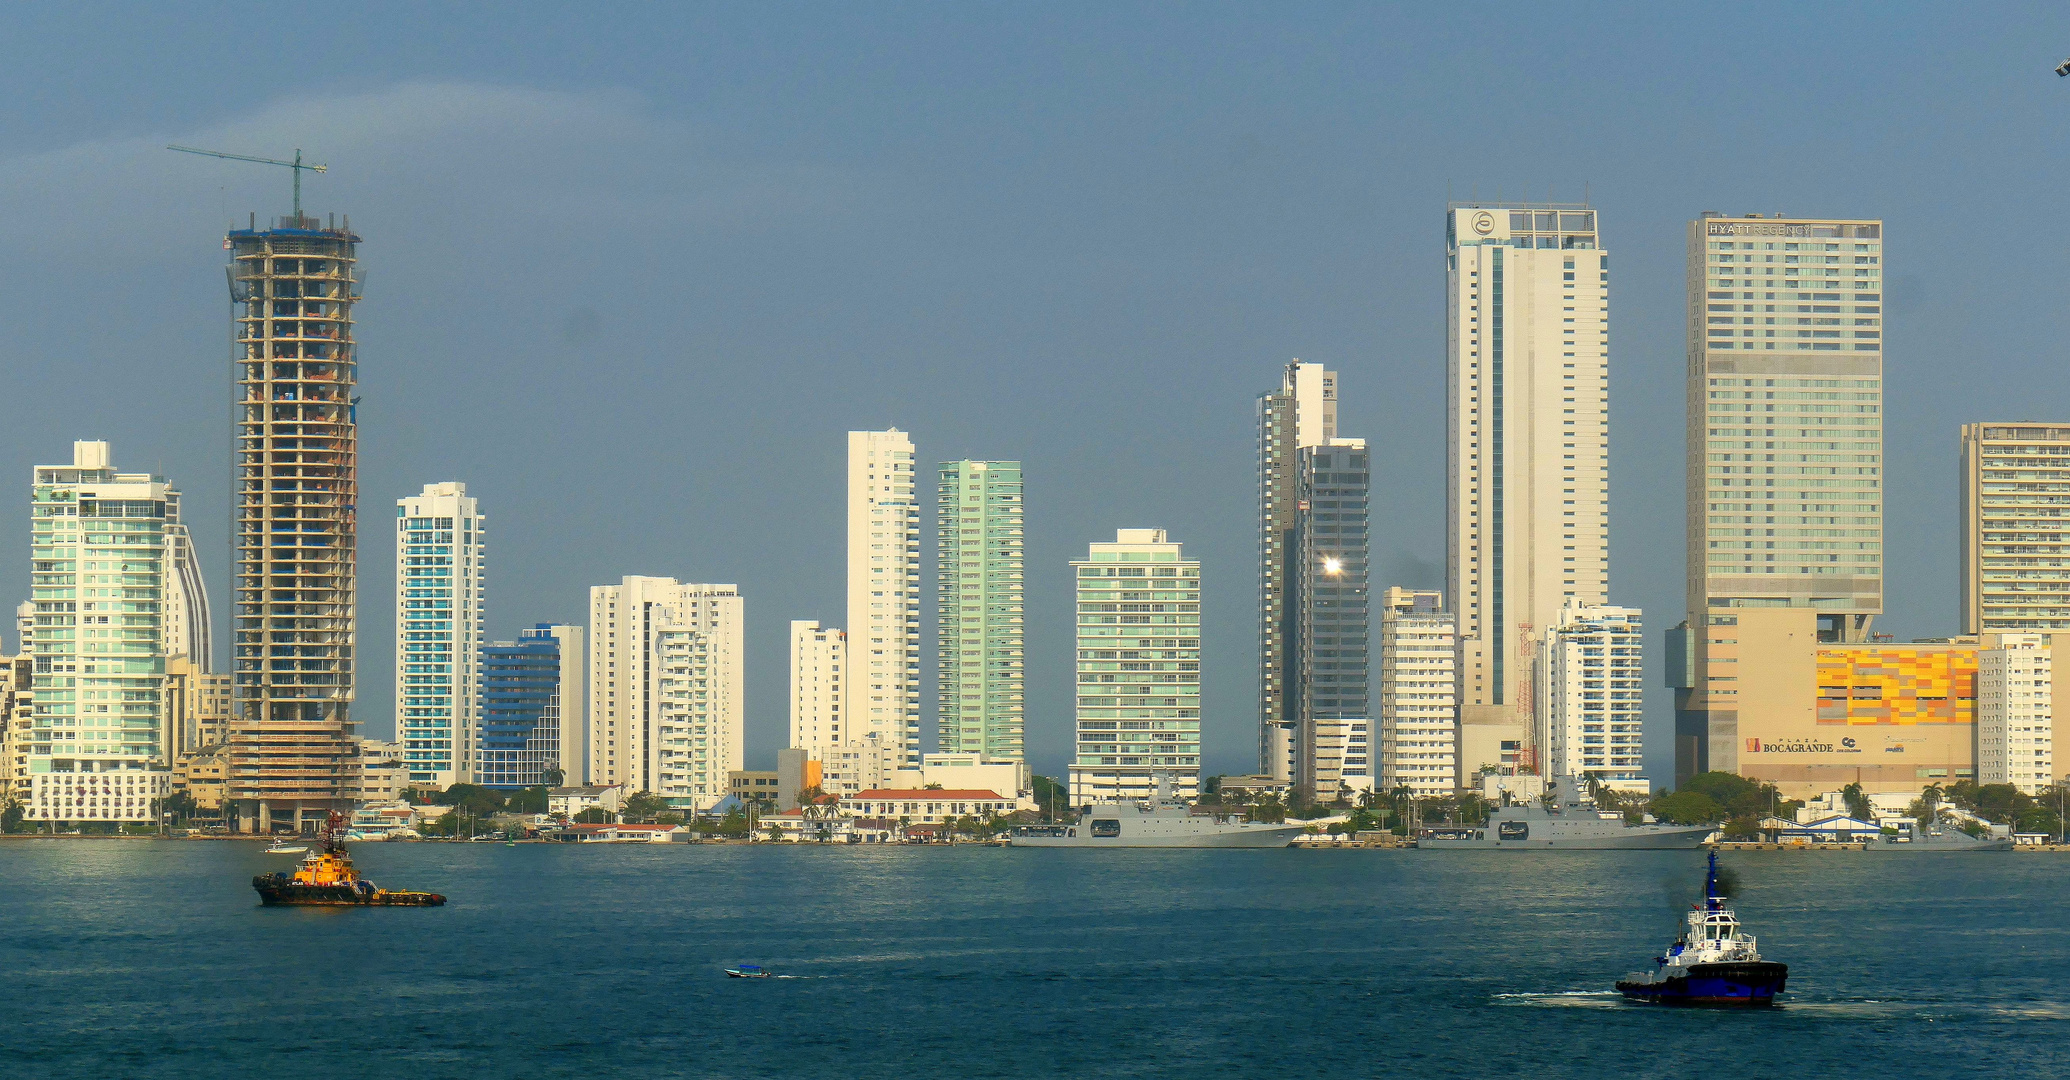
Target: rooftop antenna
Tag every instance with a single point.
(295, 165)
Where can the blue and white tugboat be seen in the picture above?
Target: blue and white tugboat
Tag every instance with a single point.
(1712, 964)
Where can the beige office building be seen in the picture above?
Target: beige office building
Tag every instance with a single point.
(1785, 447)
(2015, 498)
(2016, 709)
(1528, 459)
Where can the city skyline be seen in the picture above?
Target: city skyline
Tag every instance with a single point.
(1357, 299)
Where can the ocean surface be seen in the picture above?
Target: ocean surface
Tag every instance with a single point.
(154, 959)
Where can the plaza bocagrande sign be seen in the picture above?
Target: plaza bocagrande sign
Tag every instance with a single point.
(1801, 746)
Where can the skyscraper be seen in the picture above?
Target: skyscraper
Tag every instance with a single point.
(1138, 669)
(291, 745)
(1328, 596)
(981, 690)
(1785, 447)
(441, 560)
(1302, 412)
(665, 701)
(884, 595)
(1528, 493)
(187, 629)
(532, 701)
(1418, 712)
(2015, 478)
(100, 561)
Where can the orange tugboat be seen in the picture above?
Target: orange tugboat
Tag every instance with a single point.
(326, 879)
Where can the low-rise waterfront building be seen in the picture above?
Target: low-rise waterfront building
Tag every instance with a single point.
(928, 806)
(567, 802)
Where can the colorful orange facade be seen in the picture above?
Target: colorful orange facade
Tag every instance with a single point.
(1865, 684)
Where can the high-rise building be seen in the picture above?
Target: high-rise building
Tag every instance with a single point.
(1138, 669)
(441, 563)
(665, 701)
(1329, 598)
(1418, 712)
(292, 751)
(981, 691)
(1590, 691)
(2015, 479)
(99, 574)
(2016, 710)
(531, 709)
(1528, 497)
(1785, 444)
(1302, 412)
(884, 595)
(187, 628)
(819, 657)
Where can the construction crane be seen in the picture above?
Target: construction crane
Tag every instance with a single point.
(295, 165)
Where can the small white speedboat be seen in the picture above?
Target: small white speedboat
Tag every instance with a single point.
(284, 848)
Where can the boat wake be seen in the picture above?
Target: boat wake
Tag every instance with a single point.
(1565, 999)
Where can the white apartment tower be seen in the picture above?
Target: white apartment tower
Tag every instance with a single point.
(1528, 493)
(1302, 413)
(441, 559)
(884, 595)
(99, 561)
(1138, 669)
(1419, 712)
(818, 656)
(665, 698)
(2016, 711)
(1590, 692)
(2015, 482)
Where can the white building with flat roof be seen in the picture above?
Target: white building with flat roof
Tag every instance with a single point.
(1138, 669)
(1590, 696)
(1419, 713)
(2016, 711)
(665, 694)
(1528, 487)
(441, 567)
(819, 655)
(884, 596)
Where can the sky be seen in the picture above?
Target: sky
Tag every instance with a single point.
(633, 272)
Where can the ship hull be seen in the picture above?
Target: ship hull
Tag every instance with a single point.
(1640, 838)
(276, 893)
(1248, 838)
(1752, 982)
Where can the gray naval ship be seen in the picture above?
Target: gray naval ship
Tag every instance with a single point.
(1571, 823)
(1158, 822)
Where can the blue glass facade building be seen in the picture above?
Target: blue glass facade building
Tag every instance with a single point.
(520, 740)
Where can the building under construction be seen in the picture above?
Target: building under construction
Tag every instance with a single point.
(293, 757)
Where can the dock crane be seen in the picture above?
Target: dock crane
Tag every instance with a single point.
(295, 165)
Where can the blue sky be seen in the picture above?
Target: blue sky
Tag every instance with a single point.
(633, 274)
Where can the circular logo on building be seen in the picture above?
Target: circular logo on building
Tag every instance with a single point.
(1484, 223)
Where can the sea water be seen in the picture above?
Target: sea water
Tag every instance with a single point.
(154, 958)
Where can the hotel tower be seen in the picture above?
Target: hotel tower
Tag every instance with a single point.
(1528, 462)
(1785, 451)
